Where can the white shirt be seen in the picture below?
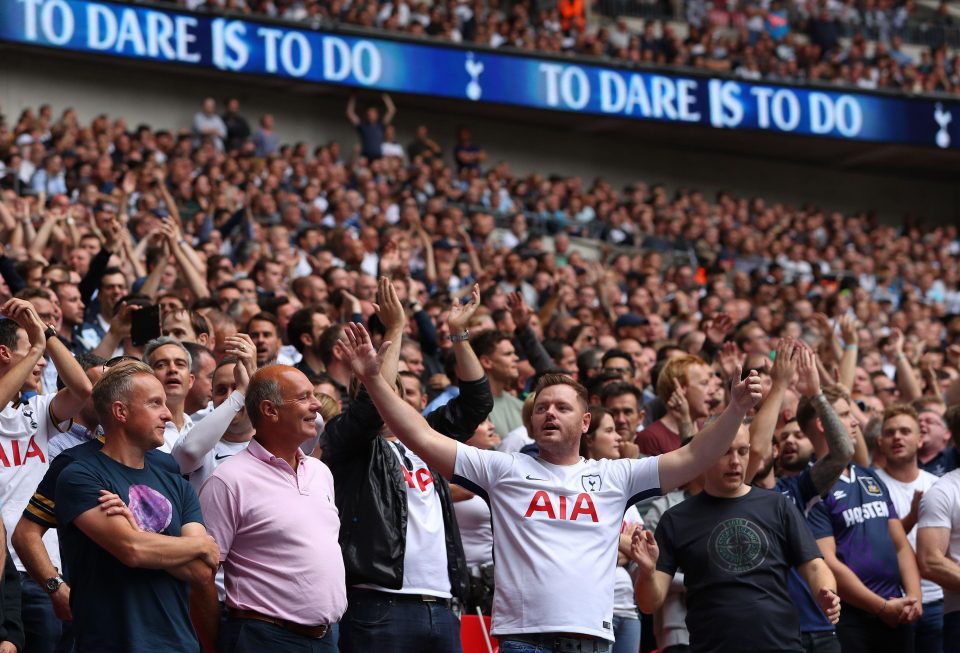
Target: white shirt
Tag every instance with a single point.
(171, 433)
(624, 601)
(555, 533)
(25, 432)
(425, 552)
(940, 508)
(902, 496)
(476, 533)
(288, 355)
(515, 440)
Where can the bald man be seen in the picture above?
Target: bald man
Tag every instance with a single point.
(271, 510)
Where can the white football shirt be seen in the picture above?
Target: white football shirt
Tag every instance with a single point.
(555, 535)
(25, 432)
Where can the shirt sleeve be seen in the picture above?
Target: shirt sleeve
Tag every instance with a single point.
(801, 546)
(78, 490)
(936, 508)
(190, 504)
(479, 468)
(41, 508)
(819, 521)
(220, 513)
(643, 480)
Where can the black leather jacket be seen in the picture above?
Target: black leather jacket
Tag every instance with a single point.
(371, 494)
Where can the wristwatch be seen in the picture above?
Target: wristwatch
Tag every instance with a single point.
(50, 332)
(461, 337)
(51, 585)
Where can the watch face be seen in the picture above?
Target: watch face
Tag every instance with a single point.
(53, 584)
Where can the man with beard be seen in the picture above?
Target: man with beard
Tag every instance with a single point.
(622, 401)
(264, 330)
(804, 484)
(865, 546)
(899, 441)
(303, 332)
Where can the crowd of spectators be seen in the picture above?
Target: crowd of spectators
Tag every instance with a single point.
(260, 252)
(774, 39)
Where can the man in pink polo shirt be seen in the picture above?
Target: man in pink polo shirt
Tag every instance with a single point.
(271, 511)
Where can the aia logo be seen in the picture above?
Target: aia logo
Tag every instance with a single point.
(543, 505)
(420, 479)
(14, 457)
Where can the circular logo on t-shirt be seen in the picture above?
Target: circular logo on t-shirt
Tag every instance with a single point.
(738, 545)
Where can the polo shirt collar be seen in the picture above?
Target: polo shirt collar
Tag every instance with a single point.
(257, 451)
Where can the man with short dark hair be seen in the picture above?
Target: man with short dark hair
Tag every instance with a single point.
(26, 428)
(264, 330)
(113, 286)
(283, 568)
(498, 357)
(864, 544)
(622, 401)
(132, 557)
(304, 330)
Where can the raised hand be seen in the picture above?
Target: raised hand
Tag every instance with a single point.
(747, 393)
(896, 342)
(718, 328)
(786, 363)
(25, 315)
(677, 405)
(357, 350)
(123, 320)
(808, 379)
(848, 330)
(129, 183)
(459, 315)
(518, 309)
(644, 551)
(243, 348)
(389, 307)
(829, 603)
(730, 360)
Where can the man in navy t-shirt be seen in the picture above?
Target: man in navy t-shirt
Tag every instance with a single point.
(131, 564)
(863, 542)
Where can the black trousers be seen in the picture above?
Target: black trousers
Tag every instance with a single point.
(862, 632)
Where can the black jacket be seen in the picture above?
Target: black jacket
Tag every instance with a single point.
(371, 494)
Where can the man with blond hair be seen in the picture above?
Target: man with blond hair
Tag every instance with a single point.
(694, 378)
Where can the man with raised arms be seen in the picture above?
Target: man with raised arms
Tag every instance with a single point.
(555, 513)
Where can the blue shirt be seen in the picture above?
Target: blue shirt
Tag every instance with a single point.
(116, 608)
(943, 462)
(855, 513)
(803, 493)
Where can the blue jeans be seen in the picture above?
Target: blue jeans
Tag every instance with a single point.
(929, 630)
(627, 632)
(44, 633)
(390, 623)
(252, 636)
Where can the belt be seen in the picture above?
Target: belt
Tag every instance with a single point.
(314, 632)
(561, 643)
(407, 598)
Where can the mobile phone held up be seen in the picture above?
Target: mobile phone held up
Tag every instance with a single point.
(145, 325)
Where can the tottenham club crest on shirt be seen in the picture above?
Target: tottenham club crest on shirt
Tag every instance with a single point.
(870, 486)
(591, 482)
